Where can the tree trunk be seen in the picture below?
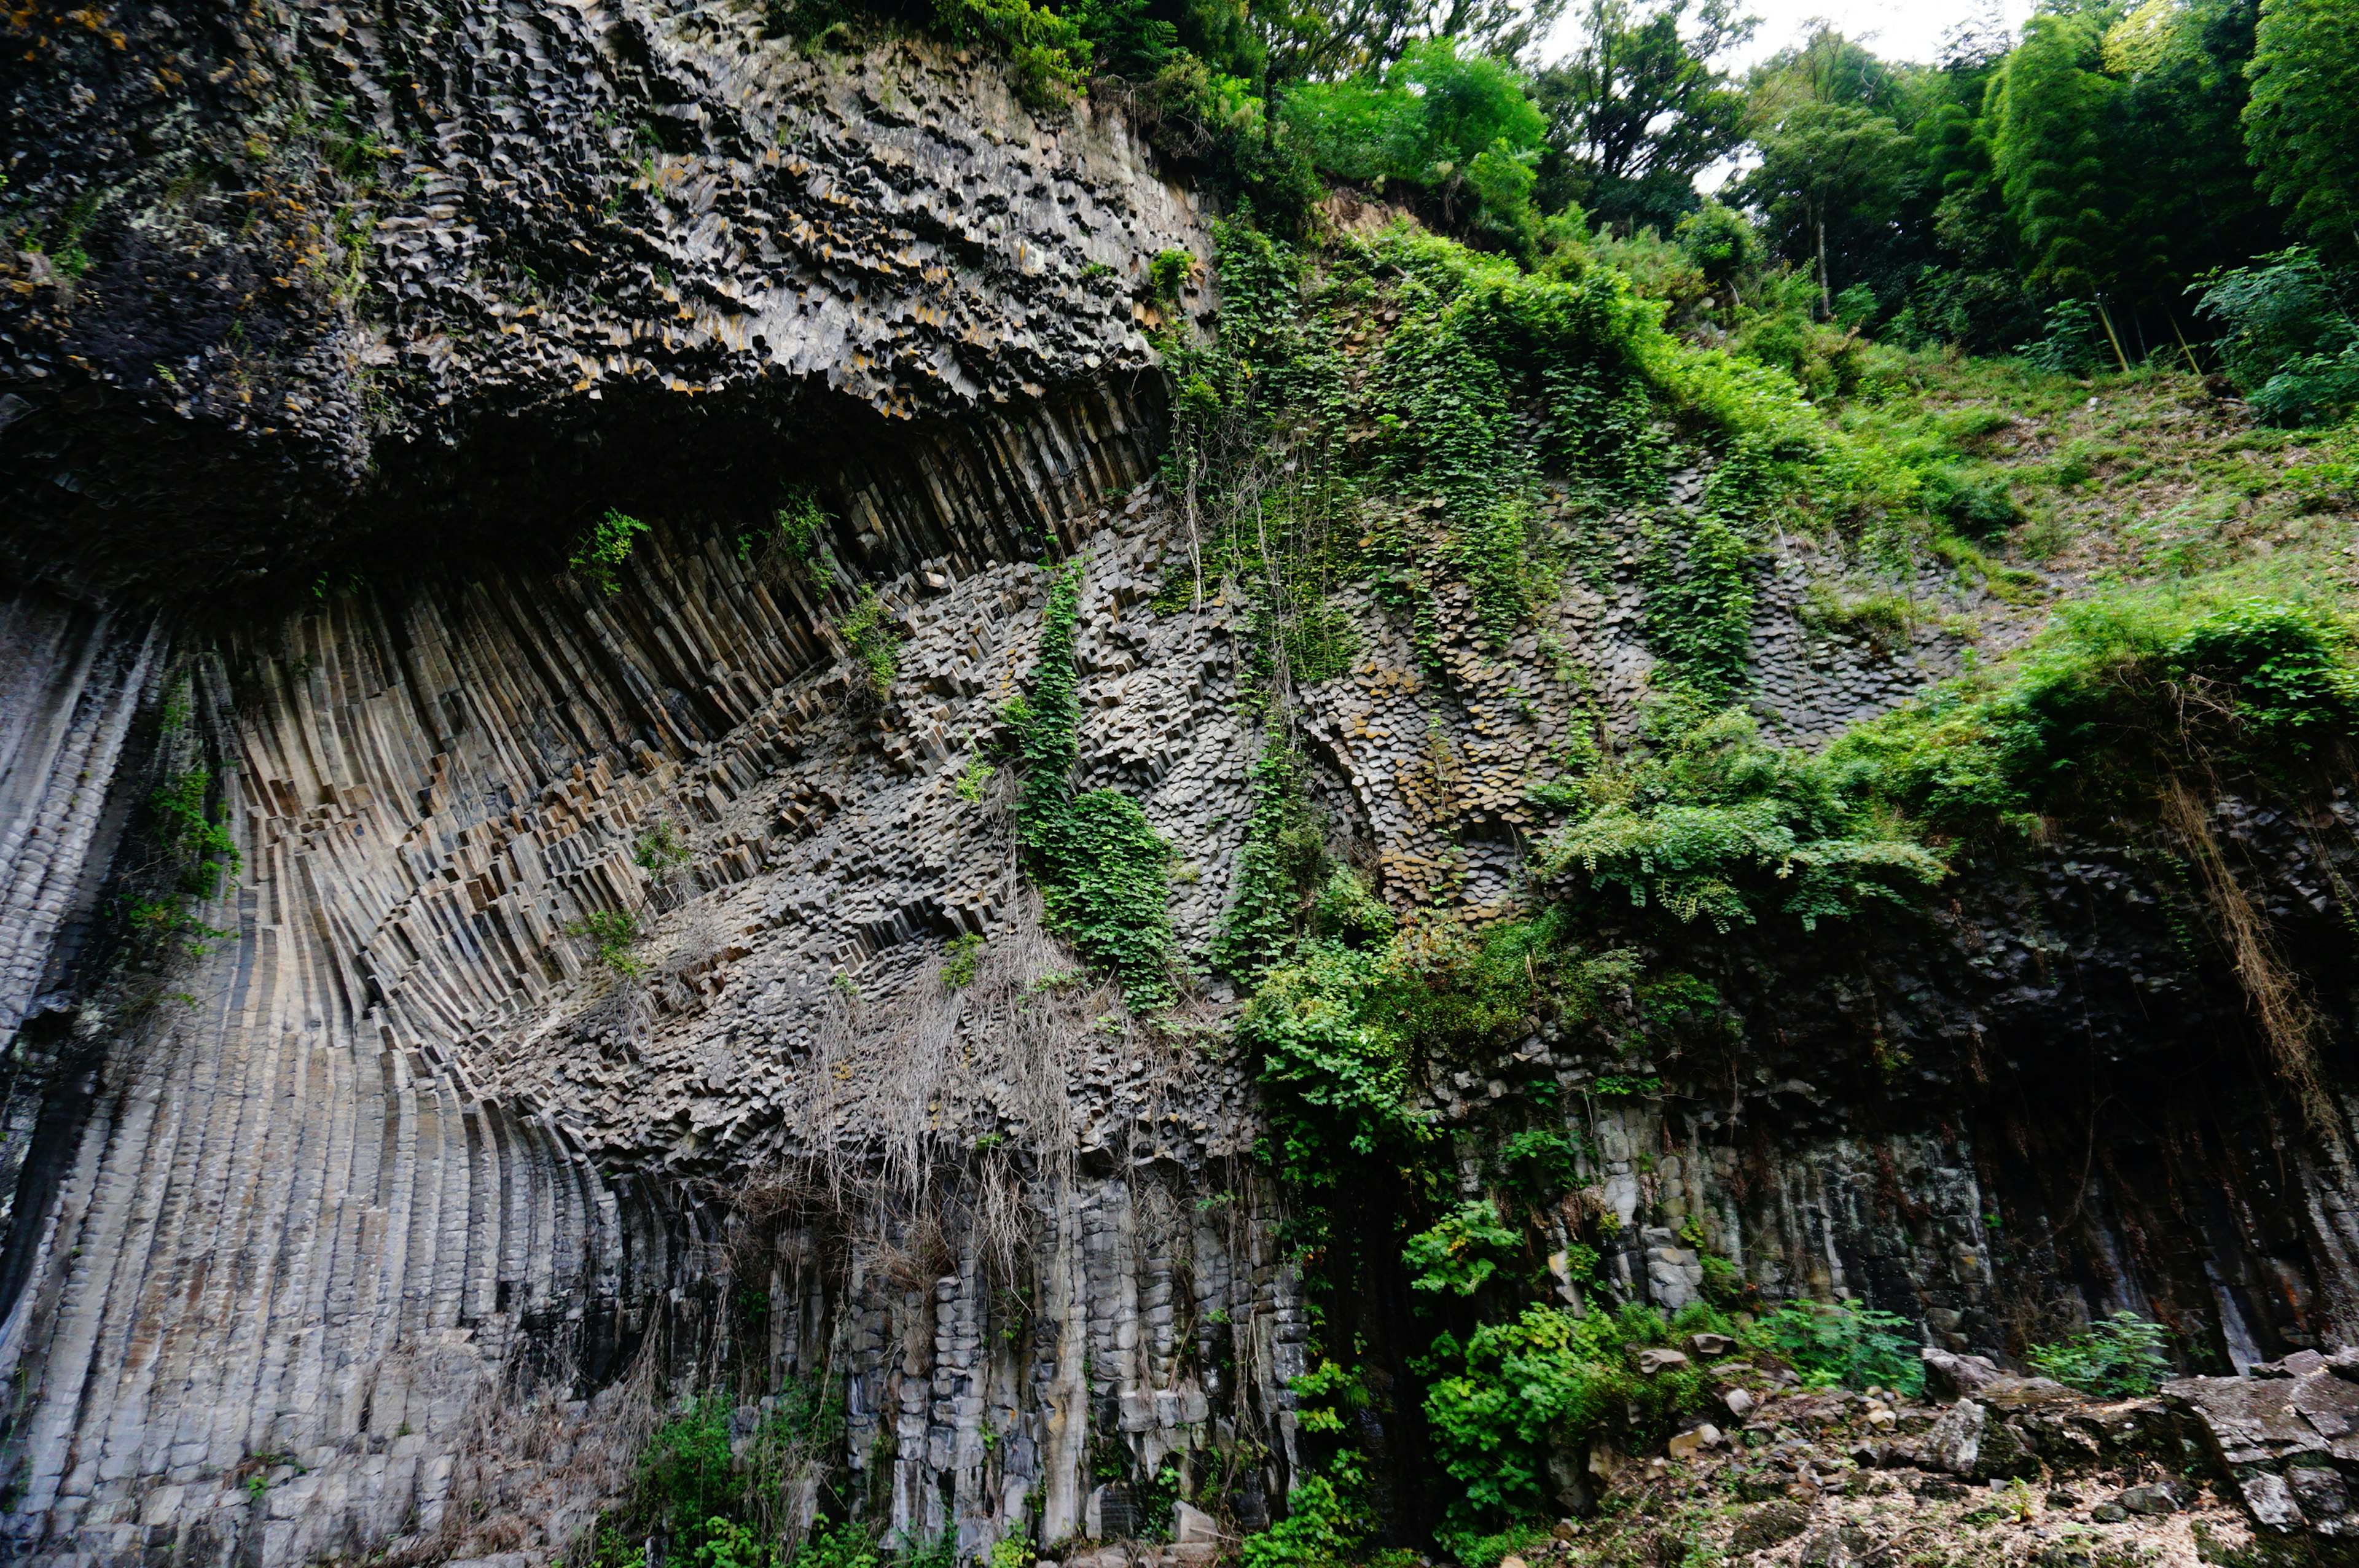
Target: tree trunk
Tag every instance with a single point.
(1826, 297)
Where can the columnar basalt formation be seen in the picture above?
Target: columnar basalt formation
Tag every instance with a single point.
(313, 1201)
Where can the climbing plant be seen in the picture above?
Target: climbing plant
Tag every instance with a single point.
(1103, 870)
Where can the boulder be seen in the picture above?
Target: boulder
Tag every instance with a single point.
(2151, 1501)
(1739, 1402)
(2021, 1393)
(1971, 1442)
(1949, 1376)
(1710, 1346)
(1191, 1525)
(1653, 1361)
(1694, 1444)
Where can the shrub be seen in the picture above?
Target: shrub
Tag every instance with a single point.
(599, 552)
(1168, 273)
(202, 853)
(1512, 1391)
(1461, 1254)
(868, 633)
(1712, 824)
(613, 932)
(1459, 124)
(1327, 1521)
(1842, 1342)
(796, 532)
(2117, 1357)
(2111, 694)
(659, 851)
(960, 958)
(2292, 344)
(1978, 506)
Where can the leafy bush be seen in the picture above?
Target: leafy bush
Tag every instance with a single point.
(961, 956)
(1327, 1521)
(1276, 870)
(688, 1481)
(601, 552)
(1461, 1254)
(2292, 342)
(1720, 241)
(869, 634)
(1459, 124)
(659, 851)
(1849, 1342)
(202, 853)
(1506, 1395)
(797, 532)
(2117, 1357)
(614, 933)
(1711, 823)
(2111, 694)
(1978, 506)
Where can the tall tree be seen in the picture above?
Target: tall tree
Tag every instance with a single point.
(1639, 107)
(2053, 115)
(1830, 168)
(1328, 40)
(2298, 125)
(2191, 205)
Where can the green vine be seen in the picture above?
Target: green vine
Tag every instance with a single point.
(1103, 872)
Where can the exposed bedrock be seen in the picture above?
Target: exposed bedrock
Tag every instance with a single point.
(317, 286)
(314, 1205)
(289, 1219)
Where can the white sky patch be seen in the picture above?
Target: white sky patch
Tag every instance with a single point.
(1895, 29)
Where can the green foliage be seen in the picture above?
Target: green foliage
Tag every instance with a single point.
(599, 552)
(2117, 1357)
(2099, 705)
(2305, 76)
(614, 933)
(1848, 1343)
(1718, 239)
(845, 1546)
(1503, 1397)
(1711, 823)
(1276, 870)
(2292, 343)
(1346, 911)
(1828, 165)
(687, 1484)
(1103, 872)
(1169, 273)
(204, 855)
(1457, 123)
(659, 851)
(959, 957)
(1539, 1163)
(1049, 51)
(869, 634)
(1321, 1031)
(1461, 1253)
(1638, 107)
(1328, 1521)
(2053, 105)
(797, 533)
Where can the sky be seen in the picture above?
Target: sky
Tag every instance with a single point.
(1895, 29)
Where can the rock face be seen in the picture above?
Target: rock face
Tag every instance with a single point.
(328, 1210)
(318, 285)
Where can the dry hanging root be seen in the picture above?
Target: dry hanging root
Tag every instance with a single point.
(2288, 1022)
